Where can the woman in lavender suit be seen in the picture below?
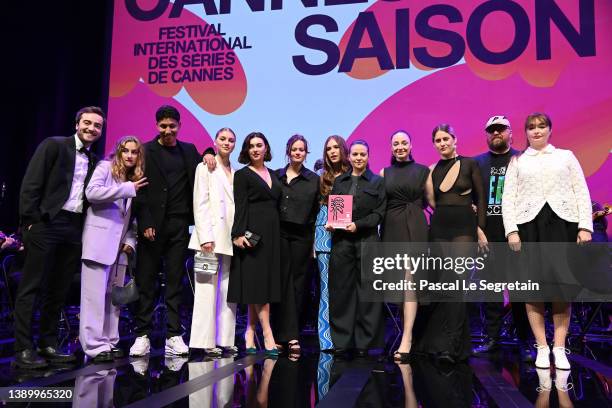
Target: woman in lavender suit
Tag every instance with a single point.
(107, 237)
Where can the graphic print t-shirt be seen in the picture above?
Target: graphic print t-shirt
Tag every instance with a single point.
(493, 168)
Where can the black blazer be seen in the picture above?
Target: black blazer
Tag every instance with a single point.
(370, 200)
(150, 203)
(46, 185)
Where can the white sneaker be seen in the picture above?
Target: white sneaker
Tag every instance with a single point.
(176, 346)
(544, 380)
(174, 363)
(543, 358)
(141, 347)
(561, 361)
(140, 365)
(561, 380)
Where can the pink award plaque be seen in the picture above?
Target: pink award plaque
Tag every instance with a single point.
(340, 211)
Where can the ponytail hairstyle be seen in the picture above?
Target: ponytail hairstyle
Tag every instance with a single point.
(444, 127)
(366, 145)
(410, 158)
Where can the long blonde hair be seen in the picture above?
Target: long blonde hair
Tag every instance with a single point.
(118, 169)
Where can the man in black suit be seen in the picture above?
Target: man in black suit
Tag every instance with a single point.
(164, 211)
(51, 207)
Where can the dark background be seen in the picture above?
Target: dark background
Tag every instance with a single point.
(57, 60)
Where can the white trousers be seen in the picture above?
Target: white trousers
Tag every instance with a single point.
(214, 320)
(99, 319)
(215, 395)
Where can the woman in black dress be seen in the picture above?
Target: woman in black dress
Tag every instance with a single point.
(454, 181)
(354, 322)
(255, 270)
(404, 218)
(298, 210)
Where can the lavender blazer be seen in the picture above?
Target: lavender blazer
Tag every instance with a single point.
(107, 224)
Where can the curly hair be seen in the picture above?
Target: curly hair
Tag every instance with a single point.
(118, 169)
(330, 170)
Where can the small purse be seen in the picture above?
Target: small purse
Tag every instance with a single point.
(252, 237)
(128, 293)
(205, 263)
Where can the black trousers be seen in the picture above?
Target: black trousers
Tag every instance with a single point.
(493, 311)
(353, 322)
(53, 255)
(296, 252)
(169, 246)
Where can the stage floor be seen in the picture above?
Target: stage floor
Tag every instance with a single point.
(318, 379)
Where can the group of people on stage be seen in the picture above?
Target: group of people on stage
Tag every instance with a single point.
(263, 226)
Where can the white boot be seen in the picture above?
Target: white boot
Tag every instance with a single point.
(543, 358)
(561, 361)
(544, 380)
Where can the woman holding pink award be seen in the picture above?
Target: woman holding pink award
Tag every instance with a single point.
(335, 162)
(355, 324)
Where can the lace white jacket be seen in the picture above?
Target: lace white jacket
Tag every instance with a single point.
(552, 176)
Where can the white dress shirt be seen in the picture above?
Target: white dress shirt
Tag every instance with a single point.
(77, 190)
(537, 177)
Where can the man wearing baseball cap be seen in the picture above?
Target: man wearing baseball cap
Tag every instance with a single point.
(493, 165)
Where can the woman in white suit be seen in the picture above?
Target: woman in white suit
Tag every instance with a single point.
(214, 319)
(107, 236)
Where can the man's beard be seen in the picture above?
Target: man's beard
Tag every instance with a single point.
(498, 145)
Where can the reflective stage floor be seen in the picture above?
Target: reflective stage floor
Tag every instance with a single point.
(319, 379)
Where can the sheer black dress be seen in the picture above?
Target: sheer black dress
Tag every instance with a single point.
(457, 185)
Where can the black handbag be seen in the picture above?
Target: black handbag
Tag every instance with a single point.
(128, 293)
(252, 237)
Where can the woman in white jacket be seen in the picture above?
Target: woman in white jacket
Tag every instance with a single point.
(546, 199)
(107, 237)
(214, 319)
